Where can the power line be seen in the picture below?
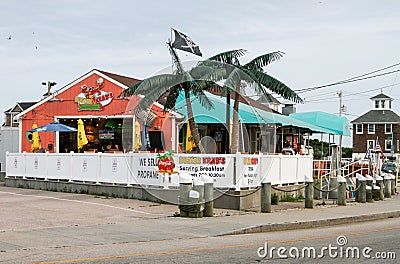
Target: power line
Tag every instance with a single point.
(352, 94)
(353, 79)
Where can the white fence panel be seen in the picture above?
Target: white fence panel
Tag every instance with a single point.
(141, 168)
(85, 167)
(305, 168)
(271, 169)
(114, 168)
(218, 166)
(248, 170)
(15, 164)
(289, 169)
(37, 162)
(59, 166)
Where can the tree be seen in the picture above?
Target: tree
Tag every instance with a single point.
(194, 82)
(252, 73)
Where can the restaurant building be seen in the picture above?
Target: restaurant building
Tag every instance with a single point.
(108, 118)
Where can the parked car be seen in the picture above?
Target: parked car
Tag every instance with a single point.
(389, 167)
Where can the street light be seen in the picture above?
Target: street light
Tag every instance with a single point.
(49, 84)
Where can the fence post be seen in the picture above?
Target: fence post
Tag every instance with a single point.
(387, 181)
(309, 192)
(378, 193)
(369, 188)
(393, 184)
(185, 186)
(208, 196)
(194, 199)
(361, 186)
(341, 190)
(198, 186)
(266, 197)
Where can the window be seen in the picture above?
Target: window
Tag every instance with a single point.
(371, 128)
(370, 144)
(388, 128)
(377, 104)
(14, 121)
(359, 128)
(383, 104)
(388, 144)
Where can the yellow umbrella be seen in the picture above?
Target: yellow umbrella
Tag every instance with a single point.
(82, 140)
(189, 138)
(35, 139)
(138, 138)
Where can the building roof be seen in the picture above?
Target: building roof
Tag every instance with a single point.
(378, 116)
(269, 99)
(380, 96)
(125, 80)
(21, 105)
(122, 81)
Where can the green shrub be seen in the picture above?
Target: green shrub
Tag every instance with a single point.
(274, 199)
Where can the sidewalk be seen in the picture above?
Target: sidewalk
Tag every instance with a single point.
(33, 218)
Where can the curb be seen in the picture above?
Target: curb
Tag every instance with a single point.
(308, 224)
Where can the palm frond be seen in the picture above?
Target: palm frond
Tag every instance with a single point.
(131, 90)
(232, 82)
(151, 97)
(215, 72)
(230, 57)
(148, 84)
(172, 96)
(266, 81)
(264, 60)
(204, 100)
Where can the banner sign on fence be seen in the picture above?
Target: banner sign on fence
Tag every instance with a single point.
(218, 167)
(144, 169)
(248, 171)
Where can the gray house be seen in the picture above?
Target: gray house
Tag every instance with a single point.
(9, 131)
(381, 124)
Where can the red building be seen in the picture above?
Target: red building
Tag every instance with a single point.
(108, 118)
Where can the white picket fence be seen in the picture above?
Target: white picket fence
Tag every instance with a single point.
(239, 171)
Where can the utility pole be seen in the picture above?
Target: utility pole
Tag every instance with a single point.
(340, 94)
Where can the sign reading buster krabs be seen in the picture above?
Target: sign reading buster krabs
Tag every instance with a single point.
(218, 167)
(93, 98)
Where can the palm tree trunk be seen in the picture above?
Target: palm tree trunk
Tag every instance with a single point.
(235, 125)
(192, 124)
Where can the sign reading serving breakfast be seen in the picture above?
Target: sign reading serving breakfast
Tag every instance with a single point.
(93, 98)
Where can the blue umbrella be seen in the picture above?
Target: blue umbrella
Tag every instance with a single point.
(53, 127)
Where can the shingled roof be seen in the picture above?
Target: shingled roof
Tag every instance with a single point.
(380, 96)
(378, 116)
(125, 80)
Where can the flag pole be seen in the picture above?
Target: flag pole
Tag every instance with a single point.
(172, 60)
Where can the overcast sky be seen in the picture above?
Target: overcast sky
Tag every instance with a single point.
(324, 42)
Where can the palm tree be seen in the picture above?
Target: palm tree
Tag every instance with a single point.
(193, 82)
(253, 73)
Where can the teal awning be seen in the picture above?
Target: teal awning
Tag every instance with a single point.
(218, 114)
(337, 125)
(247, 114)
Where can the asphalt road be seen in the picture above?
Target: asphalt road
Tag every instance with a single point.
(379, 236)
(47, 227)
